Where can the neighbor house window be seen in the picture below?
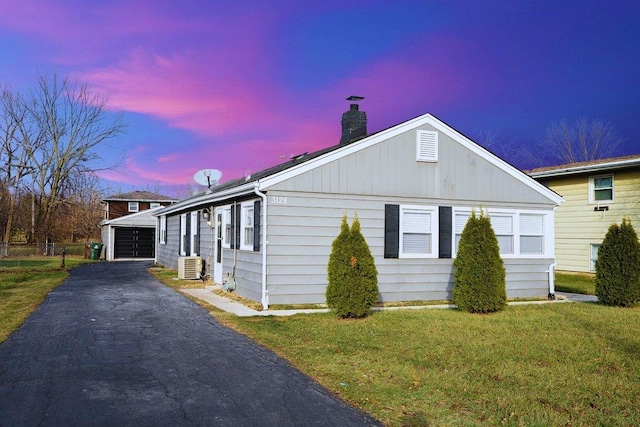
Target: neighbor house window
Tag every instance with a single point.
(417, 226)
(601, 189)
(163, 229)
(154, 205)
(134, 207)
(247, 227)
(594, 256)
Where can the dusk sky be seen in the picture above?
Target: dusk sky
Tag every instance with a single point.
(237, 85)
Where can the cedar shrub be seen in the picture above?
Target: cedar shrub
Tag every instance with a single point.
(618, 266)
(352, 274)
(479, 274)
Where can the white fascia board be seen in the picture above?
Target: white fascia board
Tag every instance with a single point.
(338, 153)
(599, 167)
(354, 147)
(207, 198)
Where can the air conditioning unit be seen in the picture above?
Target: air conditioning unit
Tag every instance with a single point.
(189, 267)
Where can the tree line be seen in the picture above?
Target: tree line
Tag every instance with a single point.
(49, 135)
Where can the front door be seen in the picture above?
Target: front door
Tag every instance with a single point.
(217, 245)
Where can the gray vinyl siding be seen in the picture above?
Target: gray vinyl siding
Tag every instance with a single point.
(389, 168)
(300, 234)
(167, 254)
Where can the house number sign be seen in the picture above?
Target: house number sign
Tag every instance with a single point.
(277, 200)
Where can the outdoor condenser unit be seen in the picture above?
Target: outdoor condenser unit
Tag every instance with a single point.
(189, 267)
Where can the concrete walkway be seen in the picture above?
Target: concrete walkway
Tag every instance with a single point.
(112, 346)
(241, 310)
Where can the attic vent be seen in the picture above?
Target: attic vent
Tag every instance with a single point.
(427, 146)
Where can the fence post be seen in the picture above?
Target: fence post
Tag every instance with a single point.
(64, 249)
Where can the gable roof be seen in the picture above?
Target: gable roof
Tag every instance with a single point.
(600, 165)
(303, 163)
(139, 196)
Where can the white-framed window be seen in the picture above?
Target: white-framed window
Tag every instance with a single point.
(601, 189)
(194, 234)
(134, 206)
(427, 146)
(227, 235)
(522, 234)
(594, 256)
(163, 230)
(532, 233)
(154, 205)
(418, 237)
(184, 237)
(246, 226)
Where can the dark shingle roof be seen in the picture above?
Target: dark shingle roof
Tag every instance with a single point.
(139, 196)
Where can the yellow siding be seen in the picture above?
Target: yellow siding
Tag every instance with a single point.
(577, 225)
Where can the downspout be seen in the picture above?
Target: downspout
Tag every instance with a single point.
(265, 294)
(552, 286)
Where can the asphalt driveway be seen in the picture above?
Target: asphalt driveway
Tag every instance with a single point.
(112, 346)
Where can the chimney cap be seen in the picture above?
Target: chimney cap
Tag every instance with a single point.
(355, 98)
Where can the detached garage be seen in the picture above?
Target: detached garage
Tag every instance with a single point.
(130, 237)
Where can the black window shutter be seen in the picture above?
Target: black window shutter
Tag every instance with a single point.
(238, 224)
(391, 230)
(445, 220)
(256, 226)
(180, 243)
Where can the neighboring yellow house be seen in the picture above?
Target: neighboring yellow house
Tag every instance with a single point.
(597, 194)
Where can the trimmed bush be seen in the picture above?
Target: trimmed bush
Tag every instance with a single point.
(353, 277)
(618, 266)
(479, 275)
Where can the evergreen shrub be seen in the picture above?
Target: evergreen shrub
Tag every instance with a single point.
(618, 266)
(352, 274)
(479, 274)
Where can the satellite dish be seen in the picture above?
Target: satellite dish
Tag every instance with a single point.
(207, 177)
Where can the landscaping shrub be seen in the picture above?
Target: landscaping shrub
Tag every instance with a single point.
(479, 275)
(352, 274)
(618, 266)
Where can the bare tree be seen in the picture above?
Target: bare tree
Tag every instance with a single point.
(507, 150)
(584, 141)
(72, 122)
(16, 134)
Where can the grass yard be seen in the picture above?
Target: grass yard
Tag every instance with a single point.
(553, 364)
(24, 284)
(578, 283)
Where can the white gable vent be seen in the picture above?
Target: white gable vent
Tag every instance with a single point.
(427, 146)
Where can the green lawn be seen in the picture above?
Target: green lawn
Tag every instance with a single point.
(553, 364)
(24, 284)
(578, 283)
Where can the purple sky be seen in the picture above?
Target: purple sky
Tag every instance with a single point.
(236, 85)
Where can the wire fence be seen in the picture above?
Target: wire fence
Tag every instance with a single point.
(18, 250)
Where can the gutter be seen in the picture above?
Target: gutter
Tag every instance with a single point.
(265, 292)
(585, 168)
(206, 198)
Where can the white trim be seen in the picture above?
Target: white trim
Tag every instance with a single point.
(162, 229)
(548, 231)
(592, 189)
(183, 232)
(244, 208)
(226, 220)
(207, 199)
(571, 170)
(433, 230)
(426, 119)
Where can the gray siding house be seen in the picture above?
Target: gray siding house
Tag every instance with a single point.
(412, 186)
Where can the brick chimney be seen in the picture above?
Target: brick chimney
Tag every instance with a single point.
(354, 121)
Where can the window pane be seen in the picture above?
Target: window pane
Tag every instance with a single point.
(594, 256)
(603, 182)
(603, 194)
(416, 222)
(531, 224)
(506, 244)
(461, 221)
(502, 224)
(416, 243)
(531, 244)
